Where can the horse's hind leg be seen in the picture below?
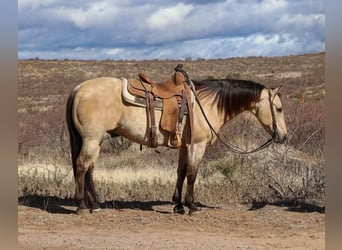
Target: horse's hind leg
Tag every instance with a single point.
(87, 157)
(90, 194)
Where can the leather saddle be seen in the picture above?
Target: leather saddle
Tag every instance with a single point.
(176, 98)
(170, 88)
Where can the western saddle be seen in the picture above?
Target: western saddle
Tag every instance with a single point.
(175, 94)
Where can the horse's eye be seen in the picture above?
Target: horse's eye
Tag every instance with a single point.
(279, 110)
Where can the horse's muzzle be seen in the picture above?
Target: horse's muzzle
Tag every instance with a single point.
(277, 138)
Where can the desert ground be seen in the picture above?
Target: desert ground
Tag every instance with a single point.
(152, 225)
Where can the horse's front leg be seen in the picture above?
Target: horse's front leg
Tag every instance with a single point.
(194, 157)
(181, 173)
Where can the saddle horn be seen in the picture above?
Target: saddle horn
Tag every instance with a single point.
(179, 68)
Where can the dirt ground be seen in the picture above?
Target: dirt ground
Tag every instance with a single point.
(154, 226)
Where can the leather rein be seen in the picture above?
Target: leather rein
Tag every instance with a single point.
(235, 149)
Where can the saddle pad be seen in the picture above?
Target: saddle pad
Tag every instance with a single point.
(136, 100)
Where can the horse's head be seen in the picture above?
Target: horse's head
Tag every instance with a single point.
(269, 112)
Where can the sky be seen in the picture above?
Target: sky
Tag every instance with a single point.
(188, 29)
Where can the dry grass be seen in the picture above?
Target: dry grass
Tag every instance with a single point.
(272, 175)
(290, 172)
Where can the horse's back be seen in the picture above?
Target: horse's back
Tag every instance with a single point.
(96, 85)
(93, 105)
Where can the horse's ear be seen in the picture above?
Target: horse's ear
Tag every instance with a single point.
(275, 91)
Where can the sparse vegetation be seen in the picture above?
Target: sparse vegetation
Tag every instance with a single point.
(293, 172)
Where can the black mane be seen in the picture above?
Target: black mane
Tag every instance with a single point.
(232, 96)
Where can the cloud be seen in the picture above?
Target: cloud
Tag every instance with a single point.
(166, 17)
(168, 29)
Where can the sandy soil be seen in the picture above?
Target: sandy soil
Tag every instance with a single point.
(154, 226)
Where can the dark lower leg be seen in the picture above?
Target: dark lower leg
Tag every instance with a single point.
(177, 195)
(79, 192)
(189, 197)
(181, 173)
(90, 190)
(85, 197)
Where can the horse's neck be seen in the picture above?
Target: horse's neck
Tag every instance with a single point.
(213, 115)
(218, 119)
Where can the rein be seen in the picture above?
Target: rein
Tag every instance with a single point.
(234, 149)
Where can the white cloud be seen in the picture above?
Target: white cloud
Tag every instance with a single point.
(164, 18)
(271, 6)
(115, 51)
(135, 29)
(83, 17)
(35, 4)
(301, 21)
(254, 45)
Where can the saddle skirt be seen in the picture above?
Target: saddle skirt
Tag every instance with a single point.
(167, 98)
(137, 100)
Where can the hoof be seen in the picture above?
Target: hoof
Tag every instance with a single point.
(95, 210)
(82, 211)
(95, 207)
(193, 210)
(179, 209)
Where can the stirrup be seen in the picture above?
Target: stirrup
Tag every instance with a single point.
(174, 141)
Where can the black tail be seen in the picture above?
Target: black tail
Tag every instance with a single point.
(75, 137)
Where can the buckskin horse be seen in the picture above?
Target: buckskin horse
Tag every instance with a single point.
(96, 107)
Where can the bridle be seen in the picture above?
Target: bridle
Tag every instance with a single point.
(274, 123)
(233, 148)
(236, 149)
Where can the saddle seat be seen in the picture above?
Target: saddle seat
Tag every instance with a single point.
(171, 87)
(171, 92)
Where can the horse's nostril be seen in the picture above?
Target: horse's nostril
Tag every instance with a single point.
(283, 139)
(280, 138)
